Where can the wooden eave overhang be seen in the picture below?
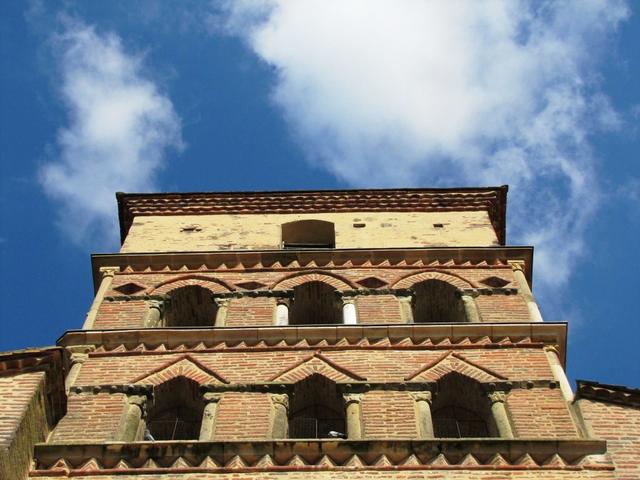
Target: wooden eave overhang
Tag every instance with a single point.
(493, 200)
(321, 338)
(256, 260)
(338, 456)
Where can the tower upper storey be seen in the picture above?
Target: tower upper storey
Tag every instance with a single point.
(343, 219)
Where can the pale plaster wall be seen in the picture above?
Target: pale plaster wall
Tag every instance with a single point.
(256, 231)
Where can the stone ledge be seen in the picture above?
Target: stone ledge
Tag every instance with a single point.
(255, 456)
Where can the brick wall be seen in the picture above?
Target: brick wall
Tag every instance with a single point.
(388, 414)
(378, 309)
(90, 418)
(242, 416)
(23, 421)
(250, 311)
(540, 413)
(620, 426)
(120, 314)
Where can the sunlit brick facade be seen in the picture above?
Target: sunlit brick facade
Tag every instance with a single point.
(387, 334)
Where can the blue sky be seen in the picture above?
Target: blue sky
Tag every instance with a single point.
(194, 96)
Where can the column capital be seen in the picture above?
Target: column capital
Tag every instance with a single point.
(139, 401)
(280, 399)
(78, 357)
(497, 397)
(155, 303)
(212, 397)
(222, 301)
(551, 348)
(422, 396)
(109, 271)
(286, 301)
(516, 265)
(352, 397)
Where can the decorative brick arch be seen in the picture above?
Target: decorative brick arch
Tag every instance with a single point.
(185, 366)
(452, 362)
(454, 280)
(287, 283)
(212, 284)
(316, 364)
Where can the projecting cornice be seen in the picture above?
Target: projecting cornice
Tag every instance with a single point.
(338, 457)
(321, 337)
(335, 259)
(493, 200)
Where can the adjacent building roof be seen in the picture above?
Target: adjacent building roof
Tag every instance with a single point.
(490, 199)
(608, 393)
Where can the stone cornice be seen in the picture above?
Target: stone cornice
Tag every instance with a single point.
(323, 337)
(294, 260)
(318, 455)
(493, 200)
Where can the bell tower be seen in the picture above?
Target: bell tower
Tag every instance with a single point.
(369, 334)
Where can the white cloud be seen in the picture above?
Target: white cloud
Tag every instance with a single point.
(413, 92)
(120, 126)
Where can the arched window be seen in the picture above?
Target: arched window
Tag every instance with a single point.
(176, 412)
(461, 409)
(316, 409)
(315, 303)
(308, 234)
(437, 301)
(191, 306)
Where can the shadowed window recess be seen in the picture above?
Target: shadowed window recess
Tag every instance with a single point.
(461, 409)
(436, 301)
(191, 306)
(308, 234)
(316, 409)
(315, 303)
(176, 411)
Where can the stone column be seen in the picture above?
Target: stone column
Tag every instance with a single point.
(107, 274)
(353, 415)
(282, 312)
(209, 415)
(500, 414)
(423, 414)
(155, 310)
(349, 315)
(221, 314)
(79, 355)
(134, 412)
(471, 311)
(406, 310)
(280, 417)
(558, 372)
(523, 287)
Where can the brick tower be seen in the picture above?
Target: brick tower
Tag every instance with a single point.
(368, 334)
